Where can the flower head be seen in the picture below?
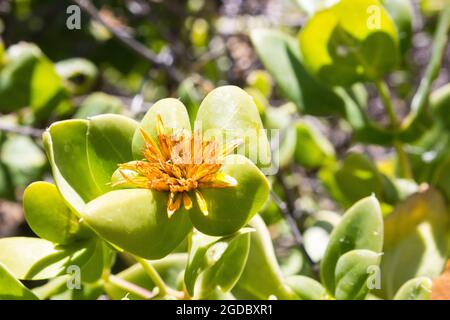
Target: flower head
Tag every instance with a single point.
(180, 164)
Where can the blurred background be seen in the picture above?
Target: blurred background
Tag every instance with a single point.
(122, 56)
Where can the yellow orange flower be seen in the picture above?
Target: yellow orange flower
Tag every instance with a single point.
(180, 164)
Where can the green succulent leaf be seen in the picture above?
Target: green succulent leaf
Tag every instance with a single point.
(215, 262)
(109, 139)
(93, 269)
(78, 74)
(358, 177)
(351, 41)
(24, 160)
(280, 55)
(42, 259)
(85, 153)
(65, 144)
(415, 289)
(416, 241)
(48, 215)
(30, 79)
(228, 113)
(306, 288)
(99, 103)
(174, 116)
(352, 273)
(12, 289)
(230, 209)
(262, 277)
(136, 220)
(313, 149)
(360, 228)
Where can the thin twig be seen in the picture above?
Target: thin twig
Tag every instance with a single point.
(130, 287)
(130, 42)
(282, 206)
(27, 131)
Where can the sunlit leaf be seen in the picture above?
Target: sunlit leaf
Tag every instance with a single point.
(42, 259)
(12, 289)
(416, 240)
(360, 228)
(349, 42)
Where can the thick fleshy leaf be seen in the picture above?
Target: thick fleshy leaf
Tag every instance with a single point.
(24, 160)
(353, 179)
(30, 79)
(312, 149)
(99, 103)
(85, 153)
(306, 288)
(93, 268)
(228, 113)
(48, 215)
(229, 209)
(109, 139)
(280, 55)
(262, 277)
(358, 177)
(352, 274)
(360, 228)
(35, 259)
(169, 268)
(65, 143)
(78, 74)
(215, 262)
(349, 42)
(415, 289)
(136, 220)
(12, 289)
(174, 116)
(416, 241)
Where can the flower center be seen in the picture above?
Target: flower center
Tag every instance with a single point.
(179, 164)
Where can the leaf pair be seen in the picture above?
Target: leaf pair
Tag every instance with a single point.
(215, 262)
(354, 251)
(84, 155)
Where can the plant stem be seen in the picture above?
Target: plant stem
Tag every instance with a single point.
(27, 131)
(154, 275)
(387, 103)
(402, 157)
(130, 287)
(420, 100)
(287, 211)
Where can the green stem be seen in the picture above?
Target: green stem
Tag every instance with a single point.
(130, 287)
(403, 161)
(420, 101)
(387, 102)
(439, 43)
(402, 156)
(154, 275)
